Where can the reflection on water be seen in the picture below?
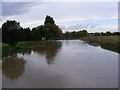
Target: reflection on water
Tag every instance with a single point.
(13, 67)
(50, 50)
(62, 64)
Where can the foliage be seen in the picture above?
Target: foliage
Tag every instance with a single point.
(75, 34)
(37, 33)
(108, 33)
(49, 20)
(52, 31)
(9, 31)
(12, 32)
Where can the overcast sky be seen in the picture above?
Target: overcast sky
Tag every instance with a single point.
(70, 16)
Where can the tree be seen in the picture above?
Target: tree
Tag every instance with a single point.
(37, 33)
(67, 34)
(108, 33)
(83, 33)
(9, 30)
(97, 34)
(49, 19)
(27, 34)
(52, 31)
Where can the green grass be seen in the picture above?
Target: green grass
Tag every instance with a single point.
(4, 45)
(27, 44)
(114, 38)
(107, 42)
(20, 47)
(3, 48)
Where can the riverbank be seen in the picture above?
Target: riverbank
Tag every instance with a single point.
(107, 42)
(21, 47)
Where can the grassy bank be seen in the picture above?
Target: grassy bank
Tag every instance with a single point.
(107, 42)
(21, 47)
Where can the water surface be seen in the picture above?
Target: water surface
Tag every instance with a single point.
(62, 64)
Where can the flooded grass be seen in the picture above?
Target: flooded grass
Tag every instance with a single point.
(20, 46)
(107, 42)
(25, 46)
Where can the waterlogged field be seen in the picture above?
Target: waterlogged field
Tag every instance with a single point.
(107, 42)
(60, 64)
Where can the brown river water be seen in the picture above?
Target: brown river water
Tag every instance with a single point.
(65, 64)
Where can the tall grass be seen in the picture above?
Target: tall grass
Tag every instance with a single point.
(108, 42)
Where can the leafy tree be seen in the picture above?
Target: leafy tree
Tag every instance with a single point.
(49, 19)
(52, 31)
(108, 33)
(9, 29)
(75, 34)
(12, 32)
(37, 33)
(41, 30)
(67, 34)
(82, 33)
(27, 34)
(97, 34)
(116, 33)
(102, 34)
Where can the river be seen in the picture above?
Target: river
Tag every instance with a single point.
(65, 64)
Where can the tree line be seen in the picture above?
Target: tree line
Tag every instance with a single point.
(108, 33)
(12, 32)
(83, 33)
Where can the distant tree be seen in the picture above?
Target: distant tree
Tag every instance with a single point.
(83, 33)
(97, 34)
(49, 19)
(116, 33)
(67, 34)
(108, 33)
(102, 34)
(74, 34)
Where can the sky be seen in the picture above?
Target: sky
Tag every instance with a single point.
(69, 16)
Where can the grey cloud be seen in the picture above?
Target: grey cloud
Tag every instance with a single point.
(61, 10)
(64, 13)
(15, 8)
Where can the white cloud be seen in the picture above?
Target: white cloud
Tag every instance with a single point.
(104, 28)
(66, 11)
(90, 27)
(79, 26)
(34, 14)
